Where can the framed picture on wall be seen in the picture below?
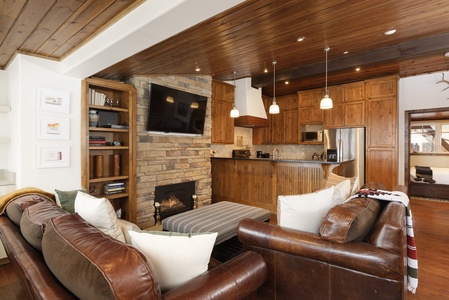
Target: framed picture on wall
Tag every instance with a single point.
(52, 128)
(52, 156)
(53, 100)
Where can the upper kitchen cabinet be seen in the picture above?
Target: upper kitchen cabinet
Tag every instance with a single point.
(262, 135)
(222, 123)
(285, 124)
(309, 111)
(349, 106)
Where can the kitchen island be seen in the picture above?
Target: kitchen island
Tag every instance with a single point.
(259, 181)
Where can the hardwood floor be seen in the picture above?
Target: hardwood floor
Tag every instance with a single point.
(431, 226)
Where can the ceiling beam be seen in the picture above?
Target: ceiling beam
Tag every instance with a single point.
(399, 52)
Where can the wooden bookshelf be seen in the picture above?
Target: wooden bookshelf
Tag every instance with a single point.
(95, 175)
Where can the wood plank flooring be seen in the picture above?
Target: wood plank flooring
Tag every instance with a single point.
(431, 226)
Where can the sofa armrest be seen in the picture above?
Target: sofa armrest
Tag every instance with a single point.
(360, 256)
(237, 278)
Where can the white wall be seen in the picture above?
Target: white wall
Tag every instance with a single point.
(24, 76)
(4, 120)
(419, 92)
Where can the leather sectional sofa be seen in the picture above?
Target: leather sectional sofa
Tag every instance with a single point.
(105, 267)
(304, 265)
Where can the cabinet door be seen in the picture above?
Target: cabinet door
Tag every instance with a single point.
(310, 97)
(355, 114)
(335, 117)
(222, 123)
(383, 87)
(291, 127)
(381, 167)
(381, 122)
(354, 91)
(262, 135)
(277, 128)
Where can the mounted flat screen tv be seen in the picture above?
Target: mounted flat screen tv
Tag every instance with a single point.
(174, 111)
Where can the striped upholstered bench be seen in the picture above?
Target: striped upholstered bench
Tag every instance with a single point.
(222, 217)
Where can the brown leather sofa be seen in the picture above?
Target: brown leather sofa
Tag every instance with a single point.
(105, 268)
(309, 266)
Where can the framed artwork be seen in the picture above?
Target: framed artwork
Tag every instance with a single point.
(52, 156)
(53, 100)
(52, 128)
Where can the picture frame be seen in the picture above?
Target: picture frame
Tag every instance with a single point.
(53, 100)
(57, 156)
(52, 128)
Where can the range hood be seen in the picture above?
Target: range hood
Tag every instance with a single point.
(250, 105)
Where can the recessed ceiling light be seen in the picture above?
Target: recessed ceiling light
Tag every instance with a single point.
(301, 38)
(446, 54)
(357, 69)
(265, 70)
(346, 52)
(390, 32)
(287, 82)
(197, 69)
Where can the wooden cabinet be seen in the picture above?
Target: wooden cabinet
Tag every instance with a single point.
(222, 102)
(309, 107)
(262, 135)
(108, 153)
(349, 106)
(381, 132)
(284, 126)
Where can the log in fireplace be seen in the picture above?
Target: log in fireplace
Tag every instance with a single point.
(174, 198)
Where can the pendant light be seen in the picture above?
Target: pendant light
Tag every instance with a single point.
(274, 108)
(234, 111)
(326, 102)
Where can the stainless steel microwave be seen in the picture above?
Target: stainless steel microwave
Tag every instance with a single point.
(312, 136)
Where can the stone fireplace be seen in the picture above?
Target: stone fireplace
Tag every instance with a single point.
(170, 159)
(174, 198)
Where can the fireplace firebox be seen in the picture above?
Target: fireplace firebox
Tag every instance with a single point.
(174, 198)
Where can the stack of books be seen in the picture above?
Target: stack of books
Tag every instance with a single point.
(96, 98)
(114, 188)
(95, 141)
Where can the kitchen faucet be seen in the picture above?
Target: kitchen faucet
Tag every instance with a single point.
(276, 153)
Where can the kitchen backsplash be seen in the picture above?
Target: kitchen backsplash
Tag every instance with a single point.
(243, 140)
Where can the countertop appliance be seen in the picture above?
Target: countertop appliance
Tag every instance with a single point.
(342, 144)
(241, 153)
(312, 136)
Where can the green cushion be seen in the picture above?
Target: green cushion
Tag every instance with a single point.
(66, 199)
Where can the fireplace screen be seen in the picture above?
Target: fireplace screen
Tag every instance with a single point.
(174, 198)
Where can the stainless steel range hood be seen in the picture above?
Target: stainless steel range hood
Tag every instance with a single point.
(249, 103)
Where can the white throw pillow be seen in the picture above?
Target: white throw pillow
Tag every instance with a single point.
(177, 257)
(305, 212)
(342, 192)
(100, 213)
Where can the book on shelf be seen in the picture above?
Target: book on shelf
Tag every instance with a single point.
(115, 184)
(97, 138)
(96, 98)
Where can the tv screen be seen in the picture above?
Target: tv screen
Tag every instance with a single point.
(175, 111)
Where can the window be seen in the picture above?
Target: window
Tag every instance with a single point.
(429, 136)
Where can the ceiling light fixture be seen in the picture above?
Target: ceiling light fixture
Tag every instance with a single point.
(357, 69)
(234, 111)
(197, 69)
(301, 38)
(274, 108)
(326, 102)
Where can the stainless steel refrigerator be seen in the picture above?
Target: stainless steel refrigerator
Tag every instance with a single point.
(347, 144)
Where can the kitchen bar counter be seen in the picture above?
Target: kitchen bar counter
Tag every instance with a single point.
(259, 181)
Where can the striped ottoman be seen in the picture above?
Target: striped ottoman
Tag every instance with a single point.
(222, 217)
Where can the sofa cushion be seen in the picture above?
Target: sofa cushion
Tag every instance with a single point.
(34, 220)
(334, 179)
(350, 221)
(100, 213)
(93, 265)
(66, 199)
(304, 212)
(387, 232)
(6, 199)
(126, 227)
(177, 257)
(15, 208)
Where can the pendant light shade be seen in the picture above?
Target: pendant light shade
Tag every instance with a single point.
(234, 111)
(326, 102)
(274, 108)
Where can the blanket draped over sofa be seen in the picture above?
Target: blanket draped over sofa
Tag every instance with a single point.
(412, 255)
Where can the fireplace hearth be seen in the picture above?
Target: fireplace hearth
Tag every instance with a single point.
(175, 198)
